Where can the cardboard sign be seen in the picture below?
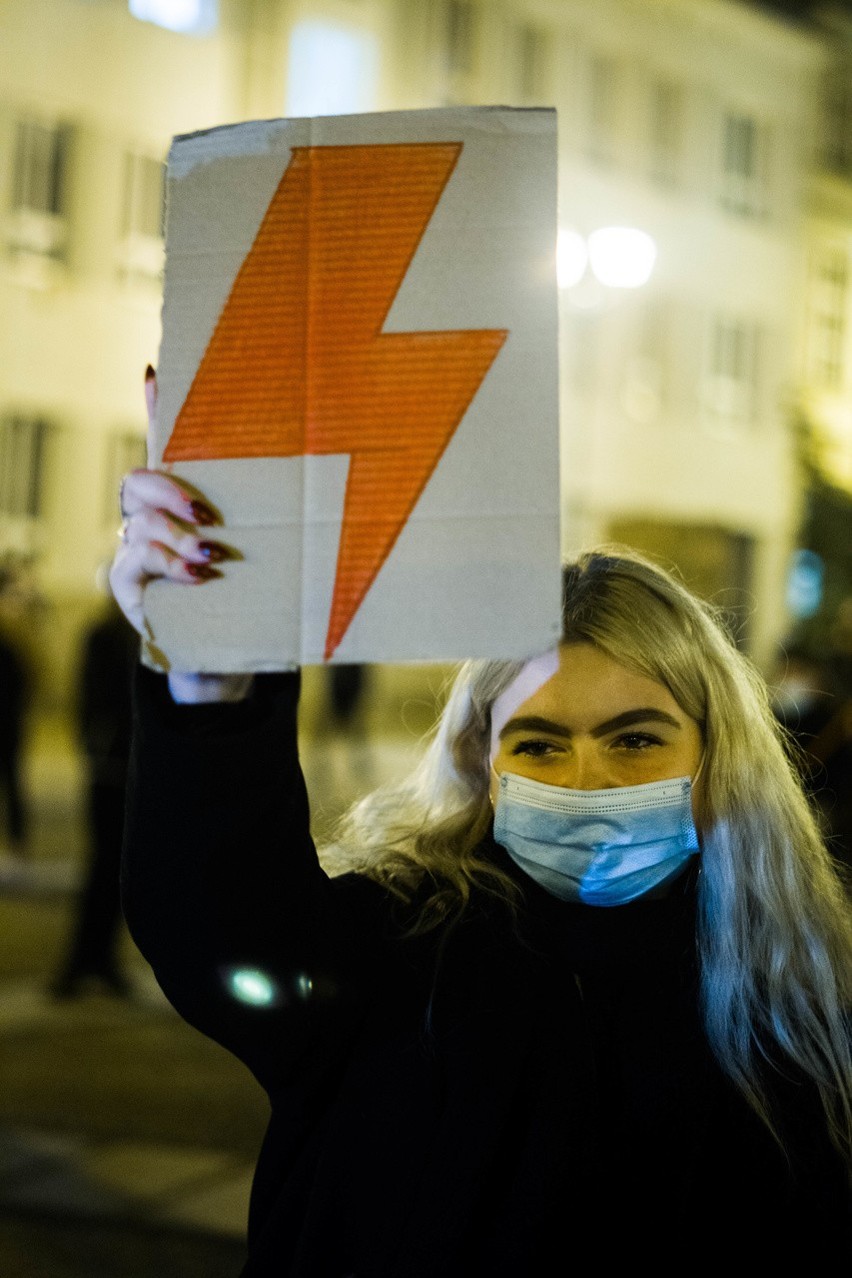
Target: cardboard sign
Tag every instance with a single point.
(358, 369)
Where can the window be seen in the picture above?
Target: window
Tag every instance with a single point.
(717, 564)
(744, 165)
(533, 64)
(142, 216)
(143, 196)
(732, 381)
(828, 301)
(461, 33)
(126, 450)
(39, 167)
(665, 131)
(189, 17)
(333, 69)
(22, 443)
(457, 36)
(37, 223)
(645, 388)
(602, 108)
(837, 119)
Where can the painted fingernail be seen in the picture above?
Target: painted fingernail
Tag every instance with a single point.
(202, 513)
(213, 551)
(149, 373)
(202, 572)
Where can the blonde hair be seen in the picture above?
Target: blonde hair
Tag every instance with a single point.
(774, 931)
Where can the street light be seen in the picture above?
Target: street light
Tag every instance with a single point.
(619, 257)
(622, 256)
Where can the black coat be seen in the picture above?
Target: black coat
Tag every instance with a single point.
(491, 1100)
(14, 698)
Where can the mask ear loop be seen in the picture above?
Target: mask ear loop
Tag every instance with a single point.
(492, 772)
(692, 782)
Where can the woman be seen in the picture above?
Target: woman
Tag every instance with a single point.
(579, 987)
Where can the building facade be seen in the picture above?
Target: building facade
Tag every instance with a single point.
(698, 122)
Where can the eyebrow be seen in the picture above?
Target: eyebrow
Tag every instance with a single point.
(643, 714)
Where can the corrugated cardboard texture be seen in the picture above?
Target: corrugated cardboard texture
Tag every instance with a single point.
(359, 369)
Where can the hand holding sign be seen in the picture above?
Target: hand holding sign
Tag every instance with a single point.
(329, 378)
(168, 534)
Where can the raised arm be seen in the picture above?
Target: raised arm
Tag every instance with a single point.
(168, 531)
(221, 886)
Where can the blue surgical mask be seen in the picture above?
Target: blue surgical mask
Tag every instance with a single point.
(601, 847)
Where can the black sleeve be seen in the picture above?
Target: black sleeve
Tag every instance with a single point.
(221, 886)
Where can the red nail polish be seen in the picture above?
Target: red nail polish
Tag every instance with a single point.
(202, 572)
(213, 551)
(202, 513)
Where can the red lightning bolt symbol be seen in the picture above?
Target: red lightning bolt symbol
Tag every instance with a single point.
(298, 363)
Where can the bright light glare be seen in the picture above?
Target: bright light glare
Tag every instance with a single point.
(805, 584)
(571, 257)
(621, 256)
(252, 986)
(304, 986)
(332, 69)
(194, 16)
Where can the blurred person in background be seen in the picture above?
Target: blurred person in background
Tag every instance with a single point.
(804, 700)
(840, 646)
(348, 691)
(583, 978)
(833, 747)
(16, 688)
(813, 703)
(347, 688)
(92, 957)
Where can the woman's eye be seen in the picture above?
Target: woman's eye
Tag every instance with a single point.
(637, 741)
(534, 749)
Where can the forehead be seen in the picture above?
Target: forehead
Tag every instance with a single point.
(581, 685)
(526, 683)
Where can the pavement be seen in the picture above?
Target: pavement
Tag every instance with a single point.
(127, 1139)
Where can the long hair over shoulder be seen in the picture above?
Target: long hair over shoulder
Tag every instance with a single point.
(774, 930)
